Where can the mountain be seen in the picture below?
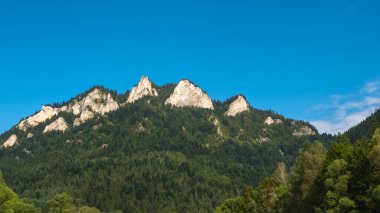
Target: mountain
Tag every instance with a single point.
(366, 128)
(169, 148)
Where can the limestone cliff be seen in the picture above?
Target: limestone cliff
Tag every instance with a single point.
(187, 94)
(144, 88)
(303, 131)
(96, 101)
(269, 121)
(12, 140)
(57, 125)
(237, 106)
(44, 114)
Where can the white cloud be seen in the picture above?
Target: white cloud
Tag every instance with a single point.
(345, 111)
(372, 87)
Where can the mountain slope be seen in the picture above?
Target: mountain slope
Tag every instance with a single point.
(146, 155)
(366, 128)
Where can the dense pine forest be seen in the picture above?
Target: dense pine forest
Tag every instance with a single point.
(343, 178)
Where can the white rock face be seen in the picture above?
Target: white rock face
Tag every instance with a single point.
(95, 102)
(144, 88)
(303, 131)
(237, 106)
(269, 121)
(57, 125)
(76, 122)
(187, 94)
(86, 114)
(46, 113)
(12, 140)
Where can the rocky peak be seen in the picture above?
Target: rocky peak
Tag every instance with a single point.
(269, 121)
(57, 125)
(12, 140)
(187, 94)
(97, 101)
(44, 114)
(237, 106)
(144, 88)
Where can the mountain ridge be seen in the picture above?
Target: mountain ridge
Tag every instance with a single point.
(50, 111)
(149, 155)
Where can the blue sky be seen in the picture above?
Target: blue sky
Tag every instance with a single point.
(310, 60)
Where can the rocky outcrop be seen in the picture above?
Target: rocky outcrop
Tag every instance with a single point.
(237, 106)
(216, 123)
(144, 88)
(303, 131)
(30, 135)
(57, 125)
(187, 94)
(269, 121)
(86, 114)
(263, 139)
(96, 101)
(46, 113)
(12, 140)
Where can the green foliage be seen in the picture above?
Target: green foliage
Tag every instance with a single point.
(60, 203)
(376, 195)
(243, 204)
(86, 209)
(343, 179)
(268, 198)
(63, 202)
(10, 202)
(231, 205)
(337, 178)
(303, 178)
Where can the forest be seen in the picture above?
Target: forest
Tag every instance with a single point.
(343, 178)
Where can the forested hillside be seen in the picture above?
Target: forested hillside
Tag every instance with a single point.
(147, 156)
(345, 178)
(365, 128)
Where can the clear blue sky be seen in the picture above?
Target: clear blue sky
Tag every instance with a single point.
(312, 60)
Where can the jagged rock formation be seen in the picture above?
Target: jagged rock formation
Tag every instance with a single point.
(270, 121)
(144, 88)
(187, 94)
(237, 106)
(57, 125)
(12, 140)
(95, 102)
(303, 131)
(46, 113)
